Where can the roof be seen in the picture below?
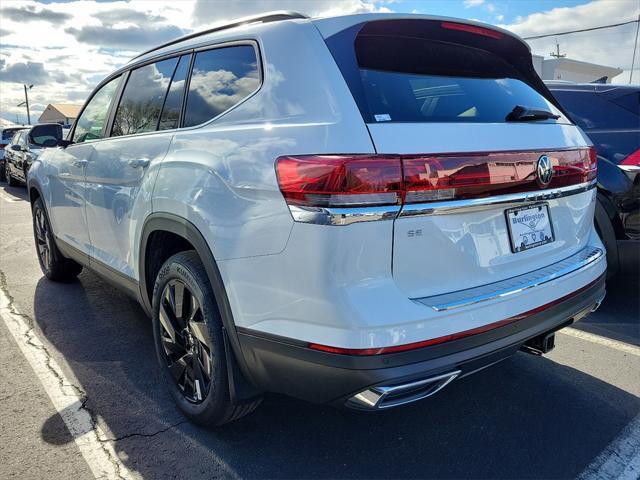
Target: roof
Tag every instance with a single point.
(327, 26)
(69, 110)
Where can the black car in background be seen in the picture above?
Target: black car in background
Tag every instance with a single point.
(6, 134)
(610, 116)
(25, 147)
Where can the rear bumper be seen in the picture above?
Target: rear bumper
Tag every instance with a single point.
(287, 366)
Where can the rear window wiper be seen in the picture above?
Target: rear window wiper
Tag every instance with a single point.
(526, 114)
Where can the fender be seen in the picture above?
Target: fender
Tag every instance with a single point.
(168, 222)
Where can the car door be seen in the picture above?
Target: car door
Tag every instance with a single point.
(119, 176)
(65, 169)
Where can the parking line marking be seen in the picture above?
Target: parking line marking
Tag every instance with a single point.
(599, 339)
(66, 397)
(620, 460)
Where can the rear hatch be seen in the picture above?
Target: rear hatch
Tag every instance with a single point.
(495, 176)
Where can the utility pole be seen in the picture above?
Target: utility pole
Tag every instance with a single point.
(635, 47)
(557, 53)
(26, 101)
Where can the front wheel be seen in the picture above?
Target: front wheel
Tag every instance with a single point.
(52, 263)
(189, 342)
(10, 180)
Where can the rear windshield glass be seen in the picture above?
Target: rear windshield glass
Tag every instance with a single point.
(414, 72)
(8, 133)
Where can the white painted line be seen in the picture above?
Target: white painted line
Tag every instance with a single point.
(620, 460)
(66, 397)
(600, 340)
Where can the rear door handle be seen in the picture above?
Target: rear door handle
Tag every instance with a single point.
(80, 163)
(139, 163)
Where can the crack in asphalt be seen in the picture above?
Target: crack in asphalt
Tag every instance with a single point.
(32, 340)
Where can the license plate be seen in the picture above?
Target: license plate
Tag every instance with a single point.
(529, 227)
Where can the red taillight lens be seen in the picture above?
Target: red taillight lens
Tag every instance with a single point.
(632, 160)
(463, 27)
(364, 180)
(340, 180)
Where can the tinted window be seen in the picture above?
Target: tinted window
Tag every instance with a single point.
(591, 111)
(408, 79)
(173, 103)
(142, 99)
(220, 79)
(8, 133)
(89, 125)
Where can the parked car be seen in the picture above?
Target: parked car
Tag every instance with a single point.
(6, 134)
(25, 147)
(610, 116)
(353, 211)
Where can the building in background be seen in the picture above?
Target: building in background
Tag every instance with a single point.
(62, 113)
(563, 68)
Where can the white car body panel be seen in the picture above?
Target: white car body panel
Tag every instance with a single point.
(343, 286)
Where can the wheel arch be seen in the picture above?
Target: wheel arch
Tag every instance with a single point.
(166, 222)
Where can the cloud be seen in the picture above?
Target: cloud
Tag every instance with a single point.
(612, 47)
(127, 15)
(29, 72)
(472, 3)
(29, 13)
(206, 11)
(130, 37)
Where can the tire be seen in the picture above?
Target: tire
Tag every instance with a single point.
(189, 340)
(52, 263)
(10, 180)
(3, 172)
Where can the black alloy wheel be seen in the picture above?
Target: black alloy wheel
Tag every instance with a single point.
(185, 340)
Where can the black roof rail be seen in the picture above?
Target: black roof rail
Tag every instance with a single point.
(262, 18)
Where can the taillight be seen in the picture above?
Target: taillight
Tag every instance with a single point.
(340, 180)
(368, 180)
(632, 160)
(463, 27)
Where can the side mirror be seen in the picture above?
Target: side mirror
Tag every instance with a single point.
(16, 148)
(46, 135)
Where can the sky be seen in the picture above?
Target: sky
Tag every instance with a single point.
(65, 48)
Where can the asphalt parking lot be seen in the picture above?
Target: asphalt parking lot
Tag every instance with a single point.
(572, 412)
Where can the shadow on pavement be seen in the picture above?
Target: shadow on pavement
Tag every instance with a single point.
(17, 193)
(618, 317)
(527, 417)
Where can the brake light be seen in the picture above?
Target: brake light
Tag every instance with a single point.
(632, 160)
(463, 27)
(340, 180)
(366, 180)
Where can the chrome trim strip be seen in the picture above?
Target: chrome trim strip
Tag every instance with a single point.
(493, 291)
(339, 216)
(502, 201)
(343, 216)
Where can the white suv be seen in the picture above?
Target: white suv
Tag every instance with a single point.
(353, 210)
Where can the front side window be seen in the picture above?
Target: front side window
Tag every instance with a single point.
(90, 124)
(220, 79)
(141, 103)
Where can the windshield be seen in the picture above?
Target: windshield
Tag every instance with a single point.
(8, 133)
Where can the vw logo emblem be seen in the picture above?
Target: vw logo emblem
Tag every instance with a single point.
(545, 170)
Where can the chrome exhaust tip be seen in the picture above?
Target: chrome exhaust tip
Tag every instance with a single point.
(382, 397)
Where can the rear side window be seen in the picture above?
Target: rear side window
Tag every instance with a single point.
(220, 79)
(170, 117)
(141, 103)
(591, 112)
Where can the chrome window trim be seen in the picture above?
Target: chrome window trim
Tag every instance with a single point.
(581, 260)
(348, 215)
(503, 201)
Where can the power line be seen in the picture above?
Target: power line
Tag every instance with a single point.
(582, 30)
(635, 46)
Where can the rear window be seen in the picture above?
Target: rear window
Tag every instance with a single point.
(417, 71)
(593, 112)
(8, 133)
